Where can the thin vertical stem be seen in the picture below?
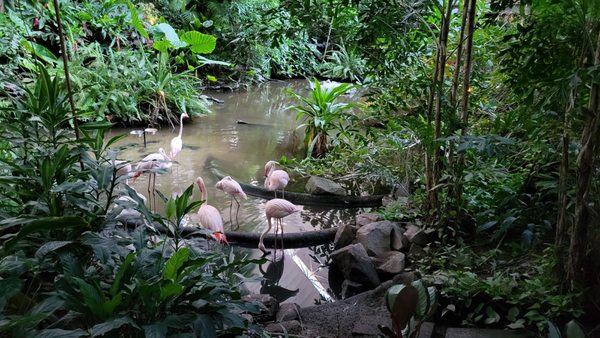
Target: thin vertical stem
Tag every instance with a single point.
(63, 50)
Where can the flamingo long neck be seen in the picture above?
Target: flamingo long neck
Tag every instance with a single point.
(203, 192)
(180, 125)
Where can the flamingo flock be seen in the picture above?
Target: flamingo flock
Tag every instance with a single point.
(208, 216)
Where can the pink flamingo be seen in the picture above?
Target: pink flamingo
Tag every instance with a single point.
(209, 216)
(275, 179)
(231, 187)
(276, 208)
(177, 142)
(151, 164)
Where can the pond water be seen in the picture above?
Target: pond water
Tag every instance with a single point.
(241, 151)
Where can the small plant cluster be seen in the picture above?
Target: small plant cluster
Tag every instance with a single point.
(494, 291)
(67, 269)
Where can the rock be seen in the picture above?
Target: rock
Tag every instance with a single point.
(376, 237)
(417, 235)
(416, 251)
(399, 241)
(290, 326)
(366, 218)
(322, 186)
(248, 317)
(366, 326)
(270, 305)
(287, 311)
(344, 236)
(391, 263)
(355, 264)
(350, 288)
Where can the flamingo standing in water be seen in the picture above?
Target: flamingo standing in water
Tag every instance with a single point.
(151, 164)
(276, 208)
(209, 216)
(177, 142)
(233, 188)
(275, 179)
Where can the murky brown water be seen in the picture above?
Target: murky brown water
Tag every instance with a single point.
(241, 150)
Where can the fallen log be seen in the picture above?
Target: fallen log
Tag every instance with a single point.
(335, 201)
(291, 240)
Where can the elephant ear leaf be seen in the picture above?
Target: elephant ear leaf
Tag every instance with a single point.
(402, 300)
(199, 43)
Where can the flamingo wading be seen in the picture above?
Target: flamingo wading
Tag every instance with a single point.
(275, 179)
(276, 208)
(233, 188)
(209, 217)
(151, 164)
(177, 142)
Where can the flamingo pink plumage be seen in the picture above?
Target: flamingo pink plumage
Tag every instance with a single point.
(276, 208)
(275, 179)
(233, 188)
(150, 164)
(177, 142)
(209, 216)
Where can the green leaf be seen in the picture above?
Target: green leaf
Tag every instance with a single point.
(170, 35)
(43, 224)
(492, 316)
(170, 289)
(14, 266)
(170, 209)
(122, 270)
(135, 20)
(155, 330)
(39, 51)
(199, 43)
(518, 324)
(49, 247)
(423, 304)
(174, 263)
(60, 333)
(111, 325)
(553, 331)
(9, 287)
(574, 330)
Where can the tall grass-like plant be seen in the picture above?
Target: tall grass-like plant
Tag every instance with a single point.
(321, 114)
(66, 271)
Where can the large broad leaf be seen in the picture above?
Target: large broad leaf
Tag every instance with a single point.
(43, 224)
(9, 287)
(60, 333)
(40, 51)
(155, 331)
(174, 263)
(171, 35)
(14, 266)
(401, 301)
(204, 327)
(111, 325)
(135, 20)
(199, 43)
(103, 246)
(574, 330)
(553, 331)
(424, 303)
(49, 247)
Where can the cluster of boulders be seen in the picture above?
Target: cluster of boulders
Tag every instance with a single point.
(374, 250)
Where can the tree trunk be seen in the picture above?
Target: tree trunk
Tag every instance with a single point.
(435, 164)
(578, 261)
(464, 104)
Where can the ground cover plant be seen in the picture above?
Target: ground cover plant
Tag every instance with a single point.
(486, 111)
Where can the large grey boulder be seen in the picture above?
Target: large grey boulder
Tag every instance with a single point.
(355, 265)
(344, 236)
(399, 241)
(322, 186)
(417, 235)
(366, 218)
(287, 312)
(391, 263)
(376, 237)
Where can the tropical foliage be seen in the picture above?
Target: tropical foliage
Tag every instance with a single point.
(487, 112)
